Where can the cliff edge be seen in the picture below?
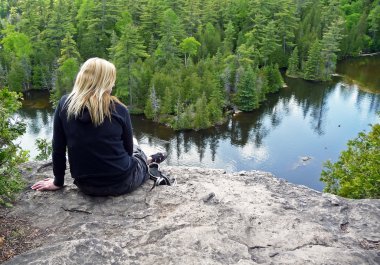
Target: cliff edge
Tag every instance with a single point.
(209, 217)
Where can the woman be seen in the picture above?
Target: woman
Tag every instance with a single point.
(95, 127)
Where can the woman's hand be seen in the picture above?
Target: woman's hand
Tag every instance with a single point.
(46, 184)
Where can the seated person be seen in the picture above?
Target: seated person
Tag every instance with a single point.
(95, 128)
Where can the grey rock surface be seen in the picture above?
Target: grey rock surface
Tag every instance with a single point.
(209, 217)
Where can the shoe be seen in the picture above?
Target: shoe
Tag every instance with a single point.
(158, 157)
(156, 175)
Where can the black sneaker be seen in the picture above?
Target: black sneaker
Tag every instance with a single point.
(158, 157)
(156, 175)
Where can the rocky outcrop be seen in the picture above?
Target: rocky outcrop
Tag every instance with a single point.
(209, 217)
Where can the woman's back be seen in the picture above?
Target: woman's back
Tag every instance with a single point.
(98, 155)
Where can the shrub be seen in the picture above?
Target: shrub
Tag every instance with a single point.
(11, 155)
(44, 147)
(356, 174)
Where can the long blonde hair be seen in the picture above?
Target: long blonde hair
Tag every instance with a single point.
(92, 90)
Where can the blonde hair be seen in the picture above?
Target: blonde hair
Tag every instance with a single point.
(92, 90)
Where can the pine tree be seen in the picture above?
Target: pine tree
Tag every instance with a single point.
(293, 69)
(229, 39)
(68, 66)
(374, 25)
(216, 104)
(58, 25)
(201, 117)
(3, 77)
(69, 49)
(286, 23)
(151, 19)
(329, 48)
(171, 32)
(210, 41)
(247, 98)
(313, 63)
(152, 107)
(167, 106)
(34, 17)
(191, 15)
(126, 52)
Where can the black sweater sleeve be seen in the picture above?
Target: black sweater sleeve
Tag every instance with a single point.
(128, 133)
(59, 148)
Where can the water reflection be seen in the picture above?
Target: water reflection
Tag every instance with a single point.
(37, 113)
(362, 71)
(305, 119)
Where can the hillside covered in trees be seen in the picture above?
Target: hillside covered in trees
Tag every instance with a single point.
(183, 62)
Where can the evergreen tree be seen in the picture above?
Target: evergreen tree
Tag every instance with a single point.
(329, 48)
(215, 105)
(152, 107)
(167, 106)
(210, 41)
(293, 69)
(201, 116)
(16, 76)
(86, 39)
(58, 24)
(126, 52)
(313, 63)
(3, 77)
(374, 25)
(151, 18)
(34, 17)
(68, 50)
(229, 39)
(273, 77)
(191, 15)
(286, 23)
(171, 32)
(68, 66)
(247, 98)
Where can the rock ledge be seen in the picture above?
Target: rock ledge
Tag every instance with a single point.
(209, 217)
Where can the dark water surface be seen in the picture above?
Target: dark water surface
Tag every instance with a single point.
(291, 135)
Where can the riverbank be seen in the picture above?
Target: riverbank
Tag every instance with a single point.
(209, 217)
(369, 54)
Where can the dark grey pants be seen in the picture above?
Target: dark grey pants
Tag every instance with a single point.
(132, 181)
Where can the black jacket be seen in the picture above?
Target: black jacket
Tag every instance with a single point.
(99, 155)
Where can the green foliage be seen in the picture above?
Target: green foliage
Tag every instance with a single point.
(44, 148)
(313, 63)
(44, 42)
(273, 77)
(201, 116)
(16, 43)
(356, 174)
(210, 40)
(152, 107)
(330, 47)
(189, 46)
(11, 155)
(247, 97)
(229, 39)
(293, 65)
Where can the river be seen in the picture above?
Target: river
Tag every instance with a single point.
(290, 135)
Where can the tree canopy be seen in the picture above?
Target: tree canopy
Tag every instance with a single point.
(189, 51)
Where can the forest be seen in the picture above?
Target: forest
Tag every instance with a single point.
(184, 63)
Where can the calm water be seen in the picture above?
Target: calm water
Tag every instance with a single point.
(306, 119)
